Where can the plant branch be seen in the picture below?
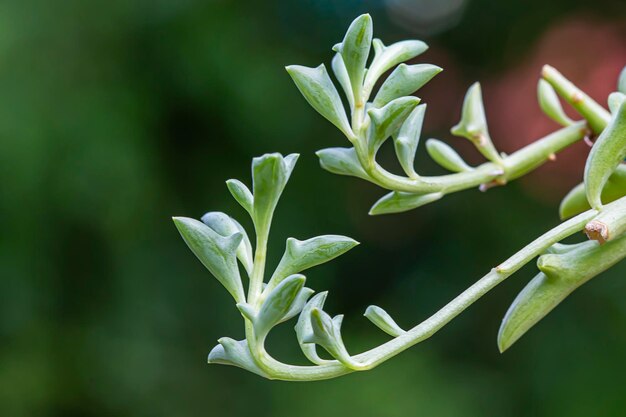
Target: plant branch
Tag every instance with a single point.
(376, 356)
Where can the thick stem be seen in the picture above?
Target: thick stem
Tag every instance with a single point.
(597, 116)
(427, 328)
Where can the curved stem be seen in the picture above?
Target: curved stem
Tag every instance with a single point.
(514, 165)
(375, 356)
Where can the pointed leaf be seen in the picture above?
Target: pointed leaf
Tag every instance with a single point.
(355, 49)
(608, 151)
(407, 139)
(550, 104)
(397, 202)
(270, 174)
(327, 334)
(388, 57)
(298, 304)
(405, 80)
(304, 254)
(242, 194)
(277, 304)
(383, 321)
(216, 252)
(303, 328)
(235, 353)
(340, 71)
(560, 275)
(341, 161)
(388, 119)
(226, 226)
(320, 92)
(446, 156)
(473, 124)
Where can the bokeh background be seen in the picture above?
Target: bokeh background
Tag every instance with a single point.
(116, 115)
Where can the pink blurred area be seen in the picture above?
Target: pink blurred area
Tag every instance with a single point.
(589, 53)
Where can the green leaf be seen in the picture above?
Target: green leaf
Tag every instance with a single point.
(445, 156)
(397, 202)
(614, 101)
(383, 321)
(341, 161)
(270, 174)
(621, 82)
(575, 202)
(405, 80)
(327, 334)
(340, 71)
(242, 194)
(276, 305)
(235, 353)
(473, 124)
(217, 253)
(608, 151)
(407, 139)
(227, 226)
(560, 275)
(550, 104)
(320, 92)
(298, 304)
(354, 50)
(304, 254)
(303, 328)
(387, 57)
(387, 120)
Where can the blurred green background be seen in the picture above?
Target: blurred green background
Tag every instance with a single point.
(116, 115)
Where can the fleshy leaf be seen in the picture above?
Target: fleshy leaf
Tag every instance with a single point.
(575, 202)
(303, 328)
(405, 80)
(327, 334)
(560, 275)
(608, 151)
(235, 353)
(217, 253)
(341, 161)
(407, 139)
(320, 92)
(615, 99)
(226, 226)
(242, 194)
(298, 304)
(388, 119)
(446, 156)
(398, 201)
(387, 57)
(270, 174)
(304, 254)
(383, 321)
(473, 124)
(276, 305)
(354, 50)
(340, 71)
(550, 104)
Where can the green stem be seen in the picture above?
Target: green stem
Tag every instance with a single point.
(376, 356)
(514, 165)
(597, 116)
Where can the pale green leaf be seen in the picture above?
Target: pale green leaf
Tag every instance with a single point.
(405, 80)
(217, 253)
(444, 155)
(320, 92)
